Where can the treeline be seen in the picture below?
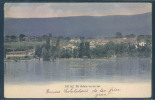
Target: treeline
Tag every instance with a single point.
(48, 51)
(122, 49)
(22, 37)
(14, 38)
(112, 49)
(108, 50)
(83, 51)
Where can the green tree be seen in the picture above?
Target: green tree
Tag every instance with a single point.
(99, 51)
(13, 38)
(75, 53)
(7, 38)
(110, 49)
(45, 54)
(66, 53)
(121, 48)
(144, 51)
(47, 43)
(131, 36)
(81, 50)
(38, 51)
(132, 51)
(21, 37)
(87, 49)
(55, 50)
(118, 35)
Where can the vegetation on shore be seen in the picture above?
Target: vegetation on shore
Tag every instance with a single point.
(48, 48)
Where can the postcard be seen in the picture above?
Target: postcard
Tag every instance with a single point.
(77, 50)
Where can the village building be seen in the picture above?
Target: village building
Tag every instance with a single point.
(75, 40)
(130, 40)
(30, 38)
(29, 53)
(69, 46)
(94, 42)
(103, 42)
(92, 45)
(142, 43)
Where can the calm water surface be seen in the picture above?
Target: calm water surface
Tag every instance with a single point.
(110, 70)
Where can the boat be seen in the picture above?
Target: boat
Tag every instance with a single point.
(87, 65)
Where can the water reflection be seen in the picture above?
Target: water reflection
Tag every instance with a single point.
(119, 69)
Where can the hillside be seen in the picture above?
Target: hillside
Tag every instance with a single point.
(88, 26)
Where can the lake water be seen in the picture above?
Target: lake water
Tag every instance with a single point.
(110, 70)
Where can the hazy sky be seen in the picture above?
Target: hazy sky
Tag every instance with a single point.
(42, 10)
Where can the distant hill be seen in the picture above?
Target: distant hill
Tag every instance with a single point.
(87, 26)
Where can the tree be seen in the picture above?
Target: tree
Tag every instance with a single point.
(7, 38)
(13, 38)
(57, 47)
(110, 49)
(68, 38)
(66, 53)
(75, 53)
(118, 35)
(87, 49)
(38, 51)
(82, 38)
(55, 50)
(48, 43)
(132, 50)
(99, 51)
(81, 50)
(131, 36)
(21, 37)
(45, 54)
(121, 48)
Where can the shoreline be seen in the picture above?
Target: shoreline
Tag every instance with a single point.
(73, 59)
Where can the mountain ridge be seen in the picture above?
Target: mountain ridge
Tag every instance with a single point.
(76, 26)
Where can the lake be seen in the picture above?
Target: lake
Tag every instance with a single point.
(126, 69)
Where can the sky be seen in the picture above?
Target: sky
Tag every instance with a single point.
(46, 10)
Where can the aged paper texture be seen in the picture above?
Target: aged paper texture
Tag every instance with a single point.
(77, 50)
